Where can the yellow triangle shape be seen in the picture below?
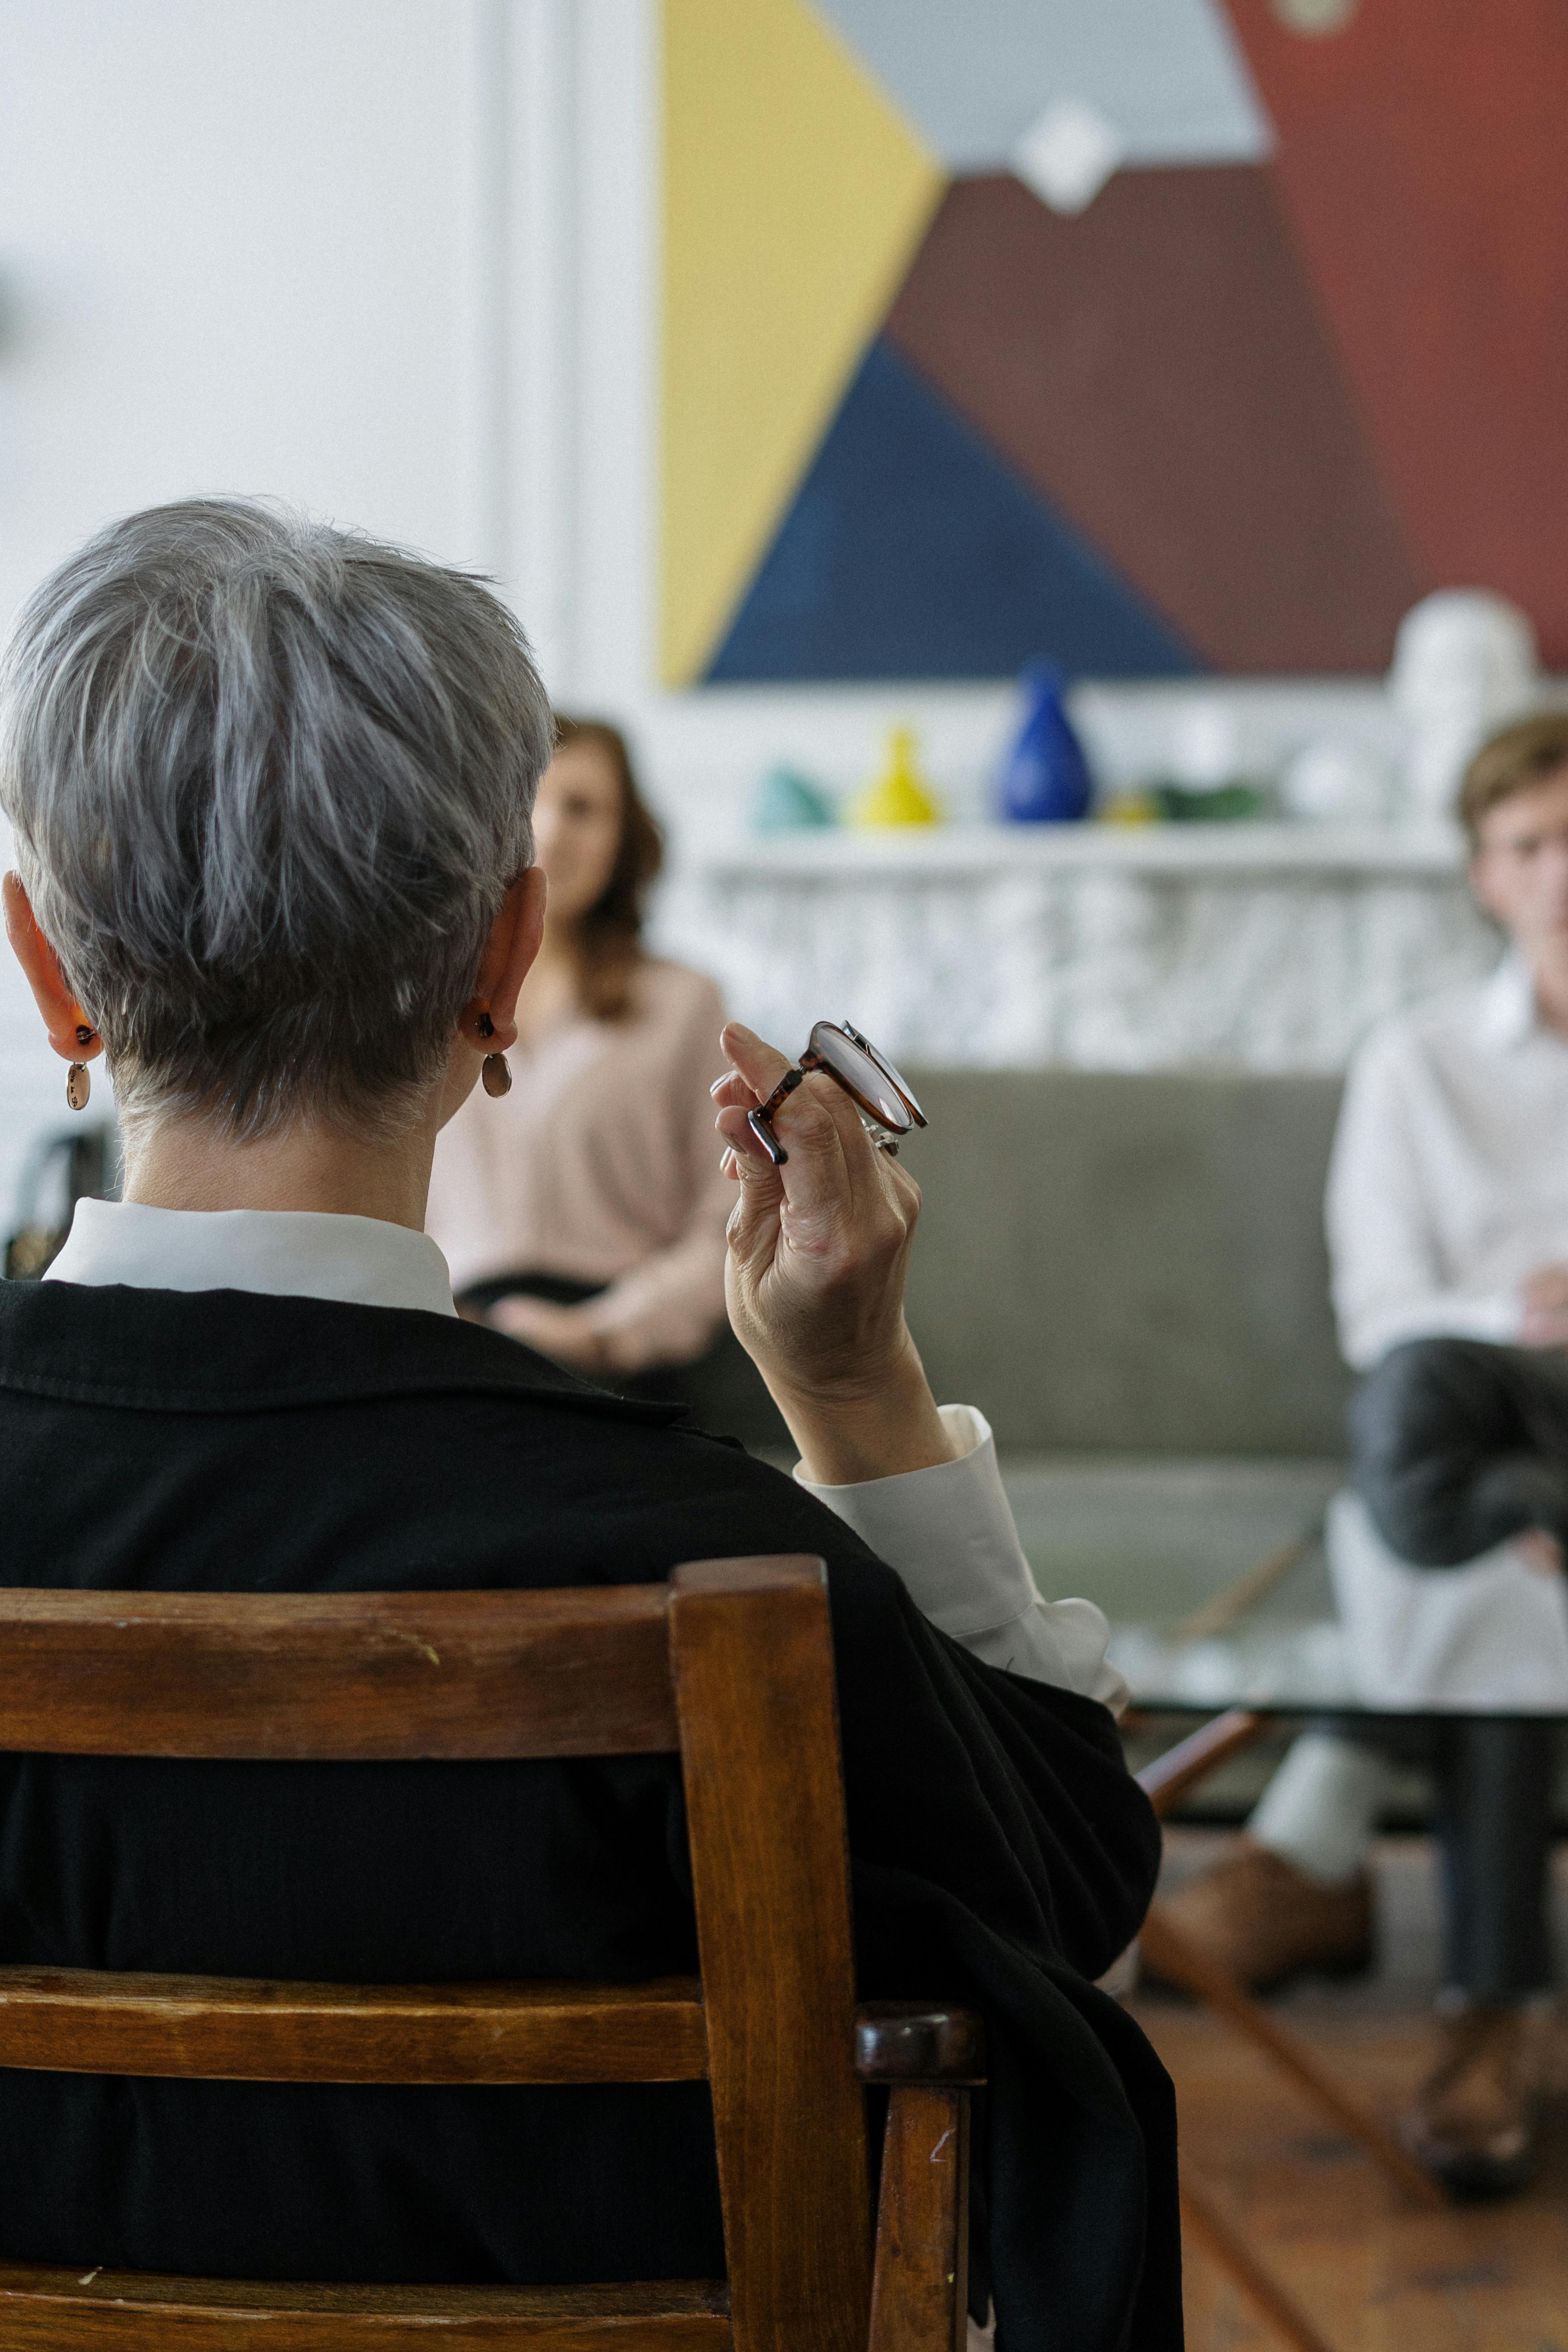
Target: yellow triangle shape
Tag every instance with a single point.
(794, 197)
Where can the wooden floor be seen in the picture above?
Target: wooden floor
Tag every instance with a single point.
(1373, 2274)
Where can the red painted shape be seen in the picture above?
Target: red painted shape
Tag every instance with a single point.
(1422, 158)
(1157, 369)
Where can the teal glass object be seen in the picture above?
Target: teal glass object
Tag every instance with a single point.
(1045, 778)
(787, 801)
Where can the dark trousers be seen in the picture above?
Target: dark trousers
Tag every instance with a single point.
(1458, 1445)
(1491, 1779)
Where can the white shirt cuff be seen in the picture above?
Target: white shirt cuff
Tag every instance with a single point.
(948, 1532)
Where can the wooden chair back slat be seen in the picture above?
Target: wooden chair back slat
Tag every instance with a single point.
(751, 1647)
(227, 2029)
(101, 2311)
(731, 1663)
(328, 1676)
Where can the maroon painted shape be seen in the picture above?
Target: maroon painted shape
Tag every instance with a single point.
(1157, 368)
(1422, 161)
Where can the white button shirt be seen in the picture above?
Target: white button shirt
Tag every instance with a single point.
(947, 1531)
(1448, 1183)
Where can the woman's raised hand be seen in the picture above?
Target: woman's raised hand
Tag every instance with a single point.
(814, 1282)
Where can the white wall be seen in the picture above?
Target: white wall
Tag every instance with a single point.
(243, 247)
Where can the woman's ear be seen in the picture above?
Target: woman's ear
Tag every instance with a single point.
(70, 1032)
(508, 958)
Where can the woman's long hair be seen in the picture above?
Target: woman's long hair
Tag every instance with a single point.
(610, 934)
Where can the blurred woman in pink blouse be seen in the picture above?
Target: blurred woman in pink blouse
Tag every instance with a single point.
(585, 1212)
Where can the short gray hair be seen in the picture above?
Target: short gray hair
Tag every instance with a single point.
(269, 783)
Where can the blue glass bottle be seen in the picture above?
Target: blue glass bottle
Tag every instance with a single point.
(1045, 778)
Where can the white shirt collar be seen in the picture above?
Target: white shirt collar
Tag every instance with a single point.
(1507, 1013)
(287, 1252)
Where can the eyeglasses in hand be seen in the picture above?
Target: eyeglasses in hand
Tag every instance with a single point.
(837, 1049)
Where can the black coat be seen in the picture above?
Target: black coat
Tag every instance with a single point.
(222, 1440)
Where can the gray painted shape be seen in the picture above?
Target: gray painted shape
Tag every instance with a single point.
(1167, 73)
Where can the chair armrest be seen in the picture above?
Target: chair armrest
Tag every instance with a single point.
(918, 2041)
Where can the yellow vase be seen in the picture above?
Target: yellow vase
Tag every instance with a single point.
(899, 796)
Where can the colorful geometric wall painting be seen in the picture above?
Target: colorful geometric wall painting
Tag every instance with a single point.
(1298, 359)
(973, 78)
(1421, 159)
(1231, 431)
(912, 550)
(795, 197)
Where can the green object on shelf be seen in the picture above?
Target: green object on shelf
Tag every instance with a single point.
(1222, 804)
(787, 801)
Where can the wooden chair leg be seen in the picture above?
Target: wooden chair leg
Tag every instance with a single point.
(1177, 1955)
(1226, 2247)
(920, 2292)
(1179, 1771)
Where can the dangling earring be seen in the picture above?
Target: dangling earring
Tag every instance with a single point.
(78, 1083)
(496, 1072)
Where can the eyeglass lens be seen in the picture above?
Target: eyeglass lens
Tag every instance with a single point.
(896, 1076)
(869, 1082)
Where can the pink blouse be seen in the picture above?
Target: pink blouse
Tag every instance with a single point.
(603, 1164)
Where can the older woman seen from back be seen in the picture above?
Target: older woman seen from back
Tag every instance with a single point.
(270, 785)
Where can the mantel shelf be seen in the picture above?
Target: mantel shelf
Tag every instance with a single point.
(972, 850)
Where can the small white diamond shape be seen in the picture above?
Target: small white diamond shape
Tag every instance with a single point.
(1069, 153)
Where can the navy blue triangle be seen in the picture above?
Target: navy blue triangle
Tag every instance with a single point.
(913, 551)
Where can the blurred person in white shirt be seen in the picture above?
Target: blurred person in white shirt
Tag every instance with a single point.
(1448, 1223)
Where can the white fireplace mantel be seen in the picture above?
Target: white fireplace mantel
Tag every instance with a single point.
(1246, 848)
(1270, 947)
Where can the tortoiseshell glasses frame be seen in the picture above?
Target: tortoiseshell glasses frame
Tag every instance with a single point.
(884, 1101)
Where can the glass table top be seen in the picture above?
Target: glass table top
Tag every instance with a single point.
(1211, 1573)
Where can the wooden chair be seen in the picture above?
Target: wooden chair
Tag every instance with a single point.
(731, 1665)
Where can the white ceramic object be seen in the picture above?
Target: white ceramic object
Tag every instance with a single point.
(1337, 781)
(1205, 745)
(1464, 663)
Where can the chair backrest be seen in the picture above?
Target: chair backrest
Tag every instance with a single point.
(731, 1665)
